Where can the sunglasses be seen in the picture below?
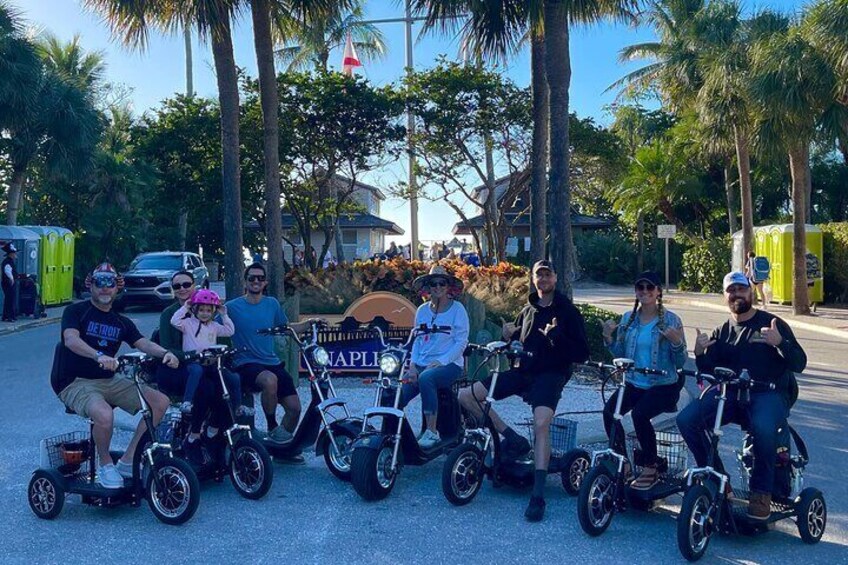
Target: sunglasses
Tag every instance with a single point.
(256, 278)
(185, 285)
(648, 287)
(438, 284)
(104, 281)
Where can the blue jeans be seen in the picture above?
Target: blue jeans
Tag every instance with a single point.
(762, 417)
(428, 384)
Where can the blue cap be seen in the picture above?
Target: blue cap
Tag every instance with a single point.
(735, 277)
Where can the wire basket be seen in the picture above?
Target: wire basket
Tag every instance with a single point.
(670, 446)
(66, 452)
(563, 434)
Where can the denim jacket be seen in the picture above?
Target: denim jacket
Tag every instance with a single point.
(664, 356)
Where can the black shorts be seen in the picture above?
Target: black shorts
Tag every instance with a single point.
(539, 389)
(249, 372)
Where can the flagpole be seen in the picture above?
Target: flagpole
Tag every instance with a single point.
(410, 128)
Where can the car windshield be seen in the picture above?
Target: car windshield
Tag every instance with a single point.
(159, 263)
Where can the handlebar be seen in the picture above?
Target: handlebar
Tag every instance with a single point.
(512, 350)
(422, 329)
(622, 365)
(286, 330)
(723, 375)
(212, 352)
(132, 360)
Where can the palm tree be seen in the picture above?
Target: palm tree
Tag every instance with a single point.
(796, 88)
(309, 37)
(132, 21)
(86, 68)
(52, 116)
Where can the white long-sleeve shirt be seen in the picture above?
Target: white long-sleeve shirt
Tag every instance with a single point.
(444, 348)
(7, 272)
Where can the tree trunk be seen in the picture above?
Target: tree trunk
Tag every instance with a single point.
(558, 71)
(539, 152)
(640, 243)
(799, 166)
(269, 98)
(228, 95)
(743, 159)
(492, 203)
(843, 148)
(15, 195)
(189, 62)
(731, 197)
(182, 230)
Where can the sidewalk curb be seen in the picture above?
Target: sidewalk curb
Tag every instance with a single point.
(663, 421)
(29, 325)
(833, 332)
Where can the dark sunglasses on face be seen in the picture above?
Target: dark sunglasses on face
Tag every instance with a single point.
(185, 285)
(104, 281)
(256, 278)
(648, 287)
(437, 284)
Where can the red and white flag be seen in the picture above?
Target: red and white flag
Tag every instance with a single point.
(350, 60)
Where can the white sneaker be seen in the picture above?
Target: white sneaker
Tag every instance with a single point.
(109, 477)
(429, 439)
(124, 469)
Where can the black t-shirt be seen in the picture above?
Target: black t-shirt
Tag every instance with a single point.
(102, 331)
(741, 346)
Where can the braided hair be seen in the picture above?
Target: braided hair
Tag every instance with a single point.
(637, 310)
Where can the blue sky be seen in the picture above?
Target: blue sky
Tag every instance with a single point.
(159, 72)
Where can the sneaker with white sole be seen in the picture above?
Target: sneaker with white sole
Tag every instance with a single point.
(109, 477)
(124, 469)
(429, 439)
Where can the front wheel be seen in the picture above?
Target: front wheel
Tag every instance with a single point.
(251, 469)
(371, 472)
(462, 475)
(173, 491)
(695, 522)
(46, 493)
(812, 515)
(574, 468)
(596, 501)
(338, 456)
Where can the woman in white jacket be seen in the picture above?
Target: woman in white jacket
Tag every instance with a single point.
(437, 360)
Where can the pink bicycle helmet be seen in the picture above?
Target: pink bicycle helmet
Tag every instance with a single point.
(204, 296)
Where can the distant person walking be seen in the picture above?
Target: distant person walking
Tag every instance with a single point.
(10, 286)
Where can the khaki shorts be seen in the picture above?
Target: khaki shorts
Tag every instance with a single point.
(119, 392)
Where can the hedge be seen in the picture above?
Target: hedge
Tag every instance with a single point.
(835, 261)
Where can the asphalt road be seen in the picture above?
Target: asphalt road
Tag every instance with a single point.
(310, 517)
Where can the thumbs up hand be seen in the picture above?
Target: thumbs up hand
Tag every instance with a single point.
(771, 334)
(702, 342)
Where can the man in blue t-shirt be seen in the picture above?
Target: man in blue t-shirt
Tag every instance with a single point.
(259, 366)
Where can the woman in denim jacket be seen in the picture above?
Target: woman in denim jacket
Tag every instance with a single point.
(653, 337)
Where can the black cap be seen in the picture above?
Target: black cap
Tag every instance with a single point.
(648, 276)
(9, 248)
(543, 264)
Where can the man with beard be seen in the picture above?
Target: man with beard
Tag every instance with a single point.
(257, 362)
(763, 344)
(92, 334)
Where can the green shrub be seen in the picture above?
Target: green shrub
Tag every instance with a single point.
(594, 318)
(835, 261)
(606, 256)
(705, 264)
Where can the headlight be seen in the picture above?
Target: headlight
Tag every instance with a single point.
(389, 364)
(320, 356)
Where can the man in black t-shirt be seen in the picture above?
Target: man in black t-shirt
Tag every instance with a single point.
(765, 346)
(87, 384)
(552, 329)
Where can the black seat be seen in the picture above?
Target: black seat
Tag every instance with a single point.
(349, 324)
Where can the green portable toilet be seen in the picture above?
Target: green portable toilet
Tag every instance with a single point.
(48, 264)
(66, 265)
(780, 256)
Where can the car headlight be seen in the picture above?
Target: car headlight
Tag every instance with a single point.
(389, 364)
(321, 356)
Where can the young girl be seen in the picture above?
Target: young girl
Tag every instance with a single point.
(195, 320)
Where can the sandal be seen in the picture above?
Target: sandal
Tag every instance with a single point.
(646, 479)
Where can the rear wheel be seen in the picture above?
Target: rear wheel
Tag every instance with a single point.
(574, 468)
(173, 491)
(251, 469)
(812, 515)
(694, 524)
(338, 456)
(596, 501)
(462, 474)
(46, 493)
(371, 473)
